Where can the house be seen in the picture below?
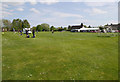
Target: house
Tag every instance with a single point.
(112, 27)
(76, 27)
(81, 28)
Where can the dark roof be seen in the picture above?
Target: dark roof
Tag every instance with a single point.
(113, 25)
(76, 27)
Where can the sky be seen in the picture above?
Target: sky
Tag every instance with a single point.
(62, 13)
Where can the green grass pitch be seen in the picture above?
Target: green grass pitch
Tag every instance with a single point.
(59, 56)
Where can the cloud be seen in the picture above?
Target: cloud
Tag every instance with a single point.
(111, 21)
(48, 2)
(54, 1)
(4, 11)
(34, 10)
(55, 18)
(91, 0)
(20, 9)
(32, 2)
(5, 14)
(53, 13)
(15, 3)
(95, 11)
(5, 5)
(98, 11)
(62, 14)
(95, 4)
(100, 4)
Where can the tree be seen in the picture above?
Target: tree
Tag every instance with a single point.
(60, 28)
(101, 28)
(17, 24)
(1, 24)
(69, 27)
(45, 26)
(26, 24)
(89, 26)
(34, 27)
(14, 25)
(6, 24)
(106, 25)
(39, 28)
(81, 24)
(52, 28)
(65, 28)
(85, 26)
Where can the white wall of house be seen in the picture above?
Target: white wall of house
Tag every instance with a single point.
(85, 29)
(95, 29)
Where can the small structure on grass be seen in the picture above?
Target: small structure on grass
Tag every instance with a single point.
(27, 29)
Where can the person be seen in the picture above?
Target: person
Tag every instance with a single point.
(13, 30)
(52, 31)
(26, 32)
(27, 36)
(33, 32)
(20, 32)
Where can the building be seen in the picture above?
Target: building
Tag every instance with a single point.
(81, 28)
(112, 27)
(76, 27)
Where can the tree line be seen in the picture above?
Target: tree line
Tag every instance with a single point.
(46, 27)
(19, 24)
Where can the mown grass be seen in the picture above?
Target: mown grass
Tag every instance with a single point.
(59, 56)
